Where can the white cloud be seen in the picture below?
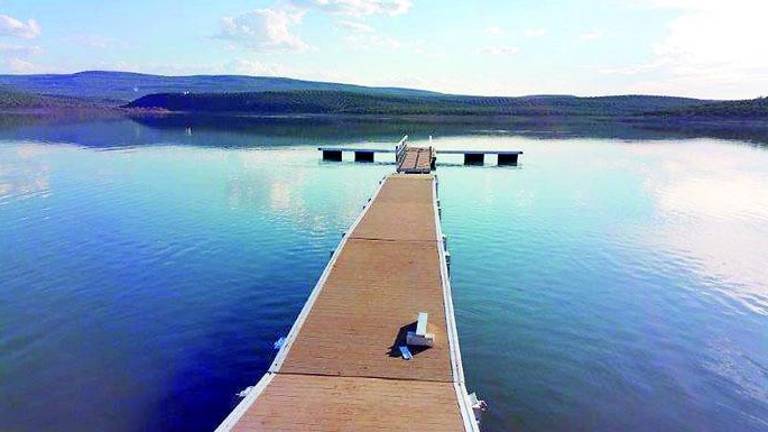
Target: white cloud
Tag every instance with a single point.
(15, 58)
(367, 41)
(501, 50)
(710, 49)
(716, 33)
(535, 33)
(10, 26)
(360, 8)
(591, 35)
(20, 50)
(17, 65)
(632, 69)
(495, 31)
(94, 41)
(265, 29)
(360, 36)
(356, 27)
(255, 67)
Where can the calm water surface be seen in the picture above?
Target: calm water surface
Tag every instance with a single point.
(604, 284)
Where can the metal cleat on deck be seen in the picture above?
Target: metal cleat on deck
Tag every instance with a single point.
(478, 406)
(420, 337)
(278, 343)
(405, 352)
(245, 392)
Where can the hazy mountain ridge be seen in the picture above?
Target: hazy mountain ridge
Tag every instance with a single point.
(738, 109)
(285, 96)
(127, 86)
(336, 102)
(12, 99)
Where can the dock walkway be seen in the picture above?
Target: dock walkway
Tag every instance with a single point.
(416, 160)
(340, 368)
(420, 160)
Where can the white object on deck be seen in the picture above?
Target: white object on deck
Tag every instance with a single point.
(279, 343)
(245, 392)
(478, 406)
(421, 324)
(405, 352)
(420, 337)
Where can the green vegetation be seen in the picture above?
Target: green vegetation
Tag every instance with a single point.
(271, 96)
(122, 87)
(752, 109)
(14, 100)
(10, 99)
(337, 102)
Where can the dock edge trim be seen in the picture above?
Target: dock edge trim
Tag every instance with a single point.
(294, 332)
(465, 408)
(231, 420)
(467, 413)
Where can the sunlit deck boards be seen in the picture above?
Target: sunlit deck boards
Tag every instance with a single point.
(340, 368)
(402, 210)
(316, 403)
(416, 160)
(376, 288)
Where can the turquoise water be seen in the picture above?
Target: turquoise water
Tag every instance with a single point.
(604, 284)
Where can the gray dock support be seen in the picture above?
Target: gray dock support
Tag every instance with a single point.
(332, 155)
(364, 156)
(474, 158)
(507, 159)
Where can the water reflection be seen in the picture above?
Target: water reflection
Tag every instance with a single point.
(710, 204)
(24, 172)
(600, 277)
(246, 131)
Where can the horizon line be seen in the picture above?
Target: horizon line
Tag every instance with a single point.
(379, 87)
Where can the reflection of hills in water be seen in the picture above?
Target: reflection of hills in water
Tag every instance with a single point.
(243, 131)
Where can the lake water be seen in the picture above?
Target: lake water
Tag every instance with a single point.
(611, 282)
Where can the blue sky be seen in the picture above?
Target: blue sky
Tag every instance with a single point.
(702, 48)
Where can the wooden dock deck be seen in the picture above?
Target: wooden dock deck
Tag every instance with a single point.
(420, 160)
(416, 160)
(340, 368)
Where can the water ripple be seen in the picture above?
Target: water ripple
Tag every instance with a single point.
(627, 293)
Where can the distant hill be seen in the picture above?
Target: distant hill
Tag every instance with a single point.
(14, 100)
(122, 87)
(285, 96)
(342, 102)
(752, 109)
(10, 99)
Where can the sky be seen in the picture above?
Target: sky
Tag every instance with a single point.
(699, 48)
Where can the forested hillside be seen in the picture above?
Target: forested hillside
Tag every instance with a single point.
(335, 102)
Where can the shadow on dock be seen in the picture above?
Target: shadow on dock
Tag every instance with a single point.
(400, 340)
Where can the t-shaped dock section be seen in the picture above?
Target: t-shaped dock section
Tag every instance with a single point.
(341, 367)
(420, 160)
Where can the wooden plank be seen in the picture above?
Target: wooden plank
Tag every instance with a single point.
(480, 151)
(424, 162)
(342, 369)
(369, 302)
(416, 160)
(316, 403)
(386, 274)
(402, 210)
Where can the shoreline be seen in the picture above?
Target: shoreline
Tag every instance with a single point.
(113, 111)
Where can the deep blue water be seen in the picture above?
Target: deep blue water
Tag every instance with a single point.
(604, 284)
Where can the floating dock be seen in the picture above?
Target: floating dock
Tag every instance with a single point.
(416, 160)
(342, 367)
(409, 157)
